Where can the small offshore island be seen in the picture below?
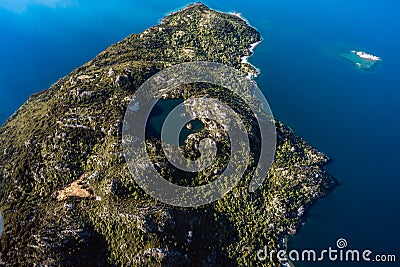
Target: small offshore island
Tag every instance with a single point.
(362, 60)
(68, 198)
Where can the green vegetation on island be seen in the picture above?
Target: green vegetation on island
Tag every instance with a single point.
(68, 198)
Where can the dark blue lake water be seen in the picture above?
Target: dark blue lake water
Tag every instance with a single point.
(352, 116)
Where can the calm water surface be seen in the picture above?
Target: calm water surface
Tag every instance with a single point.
(350, 115)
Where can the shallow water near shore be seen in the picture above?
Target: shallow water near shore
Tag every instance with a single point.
(350, 115)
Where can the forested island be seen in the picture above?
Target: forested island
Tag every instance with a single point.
(68, 198)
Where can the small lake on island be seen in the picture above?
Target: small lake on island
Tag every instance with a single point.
(160, 112)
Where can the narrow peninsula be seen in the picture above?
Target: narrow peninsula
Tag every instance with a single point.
(68, 198)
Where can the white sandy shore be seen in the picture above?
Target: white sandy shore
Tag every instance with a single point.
(251, 49)
(245, 59)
